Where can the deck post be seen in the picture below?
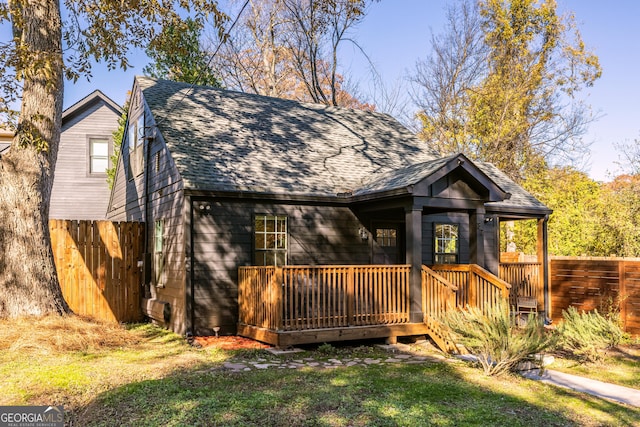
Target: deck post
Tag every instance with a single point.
(543, 259)
(476, 237)
(413, 217)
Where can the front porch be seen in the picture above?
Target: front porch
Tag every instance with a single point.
(291, 305)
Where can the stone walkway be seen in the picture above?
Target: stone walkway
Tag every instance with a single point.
(403, 355)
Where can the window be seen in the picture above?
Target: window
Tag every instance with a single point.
(446, 244)
(386, 237)
(158, 249)
(270, 240)
(136, 147)
(98, 156)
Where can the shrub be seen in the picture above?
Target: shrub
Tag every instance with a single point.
(586, 335)
(496, 340)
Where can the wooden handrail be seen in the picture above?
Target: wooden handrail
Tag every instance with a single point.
(492, 278)
(441, 279)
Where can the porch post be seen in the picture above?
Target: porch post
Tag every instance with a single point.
(543, 259)
(476, 237)
(413, 221)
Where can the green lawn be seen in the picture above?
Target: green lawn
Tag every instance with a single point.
(620, 366)
(154, 378)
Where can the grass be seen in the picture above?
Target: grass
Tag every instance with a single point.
(620, 365)
(144, 376)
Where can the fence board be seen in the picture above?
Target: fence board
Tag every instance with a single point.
(589, 284)
(97, 268)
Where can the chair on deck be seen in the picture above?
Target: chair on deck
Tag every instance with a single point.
(526, 299)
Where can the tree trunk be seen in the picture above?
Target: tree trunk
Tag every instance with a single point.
(28, 281)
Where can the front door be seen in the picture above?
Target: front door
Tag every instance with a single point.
(388, 243)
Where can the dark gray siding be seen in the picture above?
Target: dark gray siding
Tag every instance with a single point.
(127, 195)
(76, 194)
(165, 202)
(428, 221)
(223, 241)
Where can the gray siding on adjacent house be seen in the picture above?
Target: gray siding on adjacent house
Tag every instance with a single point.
(223, 241)
(76, 193)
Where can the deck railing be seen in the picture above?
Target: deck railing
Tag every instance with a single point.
(476, 286)
(315, 297)
(524, 276)
(438, 294)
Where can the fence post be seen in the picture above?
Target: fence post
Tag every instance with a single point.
(622, 292)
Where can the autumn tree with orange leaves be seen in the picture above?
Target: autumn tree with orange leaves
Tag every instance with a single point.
(289, 49)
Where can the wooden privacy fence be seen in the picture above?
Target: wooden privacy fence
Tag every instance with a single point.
(97, 265)
(597, 283)
(294, 298)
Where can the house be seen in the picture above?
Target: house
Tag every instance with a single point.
(227, 180)
(6, 136)
(80, 190)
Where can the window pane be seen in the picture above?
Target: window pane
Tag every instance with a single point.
(140, 127)
(159, 235)
(99, 147)
(270, 239)
(270, 236)
(270, 224)
(386, 237)
(446, 243)
(260, 243)
(99, 165)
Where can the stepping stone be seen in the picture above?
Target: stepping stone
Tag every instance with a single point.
(236, 366)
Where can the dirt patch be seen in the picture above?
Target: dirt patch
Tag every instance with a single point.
(230, 342)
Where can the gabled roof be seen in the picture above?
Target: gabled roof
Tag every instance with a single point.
(229, 141)
(425, 174)
(88, 101)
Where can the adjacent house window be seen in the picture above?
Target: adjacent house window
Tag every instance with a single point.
(270, 240)
(386, 237)
(98, 156)
(446, 244)
(136, 147)
(158, 249)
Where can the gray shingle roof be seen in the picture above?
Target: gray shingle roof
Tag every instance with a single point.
(230, 141)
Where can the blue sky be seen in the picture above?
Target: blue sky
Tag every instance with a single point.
(396, 33)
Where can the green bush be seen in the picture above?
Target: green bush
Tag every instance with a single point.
(496, 339)
(586, 335)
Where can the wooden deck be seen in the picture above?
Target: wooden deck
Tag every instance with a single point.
(312, 304)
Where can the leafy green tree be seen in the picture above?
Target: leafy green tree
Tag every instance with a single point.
(34, 60)
(619, 231)
(118, 135)
(501, 86)
(574, 225)
(176, 55)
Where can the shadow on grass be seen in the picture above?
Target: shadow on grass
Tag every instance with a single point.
(381, 395)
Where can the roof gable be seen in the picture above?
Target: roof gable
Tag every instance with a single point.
(87, 102)
(447, 177)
